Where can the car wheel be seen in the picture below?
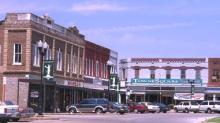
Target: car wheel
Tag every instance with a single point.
(135, 111)
(15, 119)
(209, 111)
(187, 110)
(164, 111)
(176, 110)
(98, 111)
(72, 110)
(142, 112)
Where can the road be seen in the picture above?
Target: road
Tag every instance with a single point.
(130, 118)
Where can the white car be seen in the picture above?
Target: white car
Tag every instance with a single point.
(210, 106)
(187, 106)
(151, 107)
(10, 110)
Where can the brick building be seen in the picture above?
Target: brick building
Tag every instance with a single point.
(20, 64)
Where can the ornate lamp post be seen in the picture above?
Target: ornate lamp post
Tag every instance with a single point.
(42, 47)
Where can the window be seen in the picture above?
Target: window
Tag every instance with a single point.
(204, 103)
(168, 75)
(92, 101)
(198, 74)
(185, 103)
(183, 74)
(152, 74)
(97, 68)
(68, 62)
(89, 66)
(48, 54)
(136, 73)
(215, 75)
(211, 103)
(104, 70)
(75, 62)
(17, 54)
(80, 65)
(59, 60)
(92, 68)
(123, 73)
(101, 101)
(36, 53)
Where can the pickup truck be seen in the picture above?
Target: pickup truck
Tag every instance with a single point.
(187, 106)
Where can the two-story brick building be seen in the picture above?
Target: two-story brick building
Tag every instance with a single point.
(20, 63)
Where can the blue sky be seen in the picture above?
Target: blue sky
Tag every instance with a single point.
(136, 28)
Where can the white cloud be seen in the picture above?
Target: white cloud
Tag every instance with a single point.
(91, 7)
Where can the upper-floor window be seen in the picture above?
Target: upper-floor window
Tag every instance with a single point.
(48, 54)
(17, 54)
(168, 74)
(152, 74)
(36, 57)
(80, 65)
(137, 73)
(68, 62)
(92, 63)
(97, 68)
(59, 60)
(198, 74)
(215, 75)
(74, 63)
(123, 73)
(89, 66)
(183, 74)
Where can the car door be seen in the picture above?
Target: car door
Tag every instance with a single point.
(203, 106)
(82, 105)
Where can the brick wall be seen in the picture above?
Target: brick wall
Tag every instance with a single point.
(16, 36)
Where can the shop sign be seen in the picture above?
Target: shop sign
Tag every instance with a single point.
(74, 84)
(48, 69)
(34, 94)
(93, 86)
(163, 81)
(188, 96)
(97, 81)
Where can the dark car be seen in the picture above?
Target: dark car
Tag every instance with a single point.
(97, 105)
(163, 108)
(119, 108)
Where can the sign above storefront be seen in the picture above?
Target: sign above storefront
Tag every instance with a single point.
(188, 96)
(164, 81)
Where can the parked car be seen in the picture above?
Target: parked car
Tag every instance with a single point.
(9, 110)
(187, 106)
(163, 108)
(137, 107)
(27, 112)
(209, 106)
(119, 108)
(97, 105)
(3, 118)
(151, 107)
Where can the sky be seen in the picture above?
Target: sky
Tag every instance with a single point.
(136, 28)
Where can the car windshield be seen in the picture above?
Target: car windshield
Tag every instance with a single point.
(8, 103)
(149, 103)
(194, 103)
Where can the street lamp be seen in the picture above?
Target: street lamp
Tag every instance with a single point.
(192, 87)
(42, 47)
(109, 65)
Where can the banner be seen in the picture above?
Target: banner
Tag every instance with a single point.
(188, 96)
(164, 81)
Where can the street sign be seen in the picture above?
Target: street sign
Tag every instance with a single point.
(114, 81)
(48, 70)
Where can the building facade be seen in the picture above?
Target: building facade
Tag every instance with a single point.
(96, 71)
(168, 79)
(75, 62)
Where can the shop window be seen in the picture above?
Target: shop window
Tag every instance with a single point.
(17, 54)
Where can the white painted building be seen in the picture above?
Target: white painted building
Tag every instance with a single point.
(153, 79)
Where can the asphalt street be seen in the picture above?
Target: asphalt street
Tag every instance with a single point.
(130, 118)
